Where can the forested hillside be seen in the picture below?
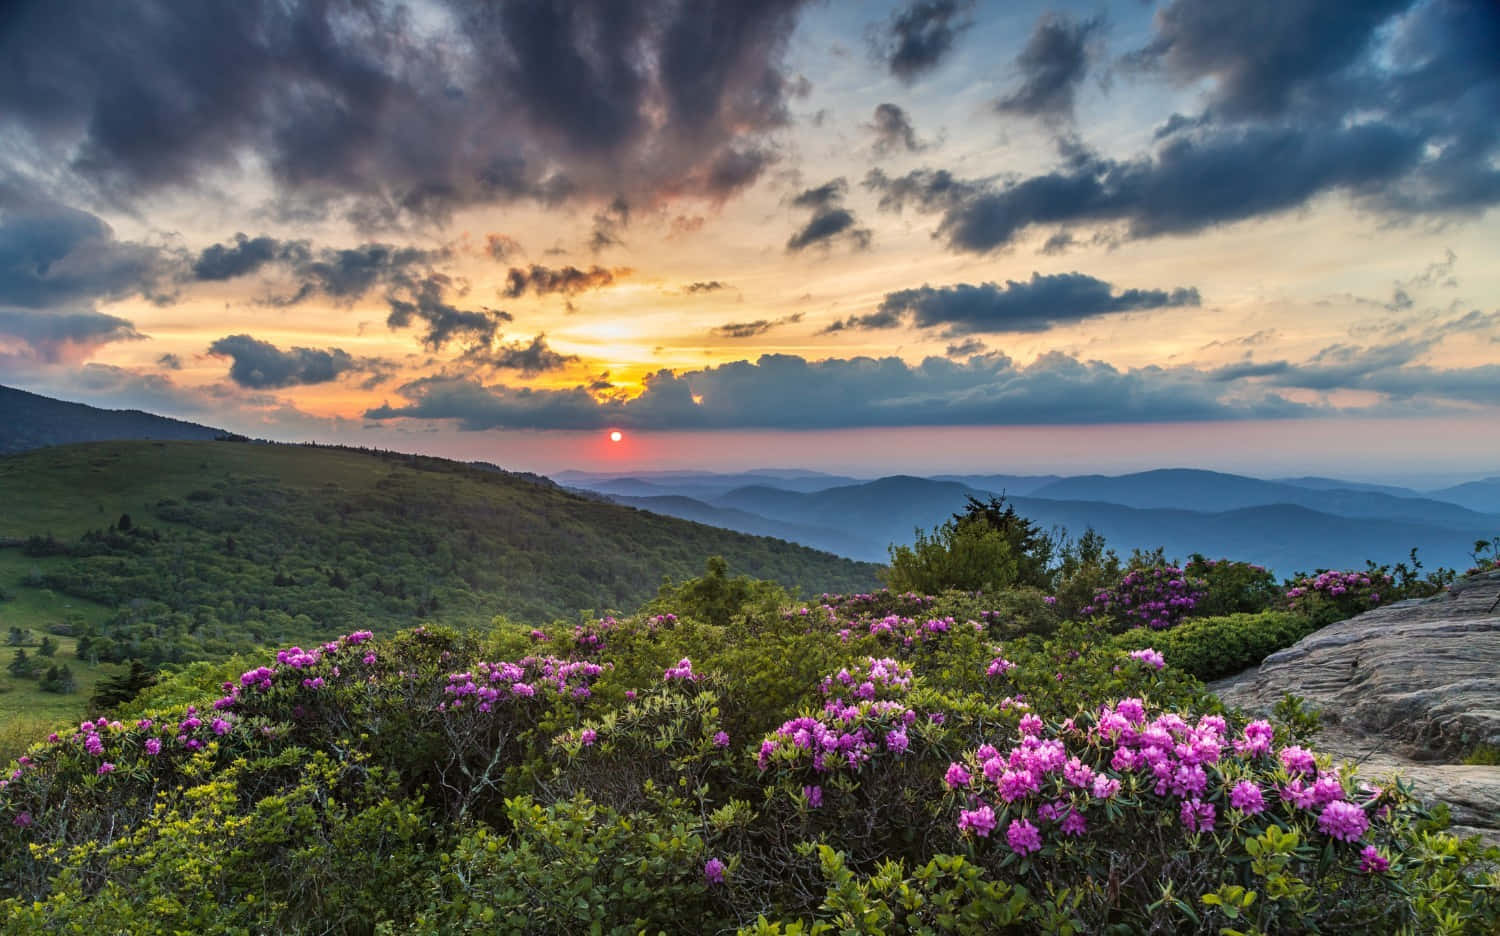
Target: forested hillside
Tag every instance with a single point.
(200, 549)
(29, 421)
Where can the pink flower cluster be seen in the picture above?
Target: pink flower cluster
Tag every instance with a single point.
(682, 672)
(840, 736)
(1360, 587)
(1158, 598)
(492, 683)
(1150, 657)
(883, 677)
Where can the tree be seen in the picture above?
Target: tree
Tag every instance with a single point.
(124, 524)
(48, 647)
(965, 553)
(22, 666)
(1032, 548)
(118, 690)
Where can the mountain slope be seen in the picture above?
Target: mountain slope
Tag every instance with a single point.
(29, 421)
(1476, 495)
(230, 544)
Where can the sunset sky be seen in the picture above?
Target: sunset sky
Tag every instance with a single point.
(866, 237)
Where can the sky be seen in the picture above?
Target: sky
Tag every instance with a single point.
(922, 236)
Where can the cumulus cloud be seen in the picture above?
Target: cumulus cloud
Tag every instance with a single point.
(1053, 64)
(568, 280)
(54, 336)
(829, 219)
(1385, 105)
(790, 392)
(530, 358)
(425, 298)
(1043, 302)
(920, 35)
(260, 365)
(394, 115)
(53, 256)
(894, 131)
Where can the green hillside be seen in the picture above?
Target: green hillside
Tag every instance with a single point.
(201, 549)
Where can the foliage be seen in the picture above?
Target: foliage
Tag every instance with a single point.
(1214, 647)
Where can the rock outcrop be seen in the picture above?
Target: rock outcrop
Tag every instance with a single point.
(1405, 689)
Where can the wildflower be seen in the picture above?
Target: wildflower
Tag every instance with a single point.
(1074, 825)
(980, 821)
(1023, 837)
(220, 726)
(93, 745)
(1197, 815)
(1247, 798)
(1343, 821)
(896, 741)
(682, 671)
(956, 776)
(1150, 657)
(1016, 784)
(999, 666)
(721, 739)
(1105, 787)
(1371, 861)
(105, 768)
(588, 736)
(1257, 742)
(713, 870)
(1298, 760)
(1030, 725)
(153, 746)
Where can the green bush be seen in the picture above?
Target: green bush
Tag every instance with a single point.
(1215, 647)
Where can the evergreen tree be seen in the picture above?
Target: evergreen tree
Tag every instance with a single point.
(118, 690)
(48, 647)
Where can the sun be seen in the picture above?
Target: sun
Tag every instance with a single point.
(615, 435)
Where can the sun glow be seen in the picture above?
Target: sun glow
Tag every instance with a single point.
(615, 435)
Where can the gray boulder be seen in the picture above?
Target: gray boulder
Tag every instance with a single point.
(1404, 689)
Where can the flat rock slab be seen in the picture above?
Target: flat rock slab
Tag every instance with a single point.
(1402, 689)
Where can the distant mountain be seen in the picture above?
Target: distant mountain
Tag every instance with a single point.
(1476, 495)
(1192, 489)
(1314, 483)
(698, 484)
(31, 421)
(1284, 537)
(1014, 485)
(686, 508)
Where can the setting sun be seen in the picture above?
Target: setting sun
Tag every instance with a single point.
(615, 436)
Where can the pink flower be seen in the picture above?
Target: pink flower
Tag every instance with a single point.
(814, 796)
(220, 726)
(153, 746)
(1247, 798)
(1030, 725)
(1197, 815)
(1343, 821)
(93, 745)
(1105, 787)
(105, 768)
(588, 736)
(1371, 861)
(1015, 784)
(1150, 657)
(1023, 837)
(713, 870)
(1074, 825)
(956, 776)
(23, 819)
(1298, 760)
(721, 739)
(980, 821)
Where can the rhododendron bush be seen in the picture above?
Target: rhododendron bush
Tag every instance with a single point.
(887, 762)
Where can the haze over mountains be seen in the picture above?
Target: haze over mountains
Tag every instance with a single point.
(1284, 525)
(1288, 524)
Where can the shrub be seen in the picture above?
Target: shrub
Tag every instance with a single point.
(1231, 587)
(1154, 596)
(1214, 647)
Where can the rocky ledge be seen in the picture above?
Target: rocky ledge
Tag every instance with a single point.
(1408, 689)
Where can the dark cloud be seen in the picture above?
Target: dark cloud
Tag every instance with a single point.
(260, 365)
(391, 115)
(1261, 61)
(966, 348)
(789, 392)
(1058, 243)
(829, 220)
(53, 256)
(54, 336)
(1391, 105)
(244, 256)
(703, 286)
(1041, 303)
(169, 362)
(530, 358)
(609, 223)
(920, 35)
(893, 130)
(425, 298)
(568, 280)
(1052, 65)
(755, 328)
(342, 274)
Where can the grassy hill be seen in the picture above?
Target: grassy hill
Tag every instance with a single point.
(29, 421)
(200, 549)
